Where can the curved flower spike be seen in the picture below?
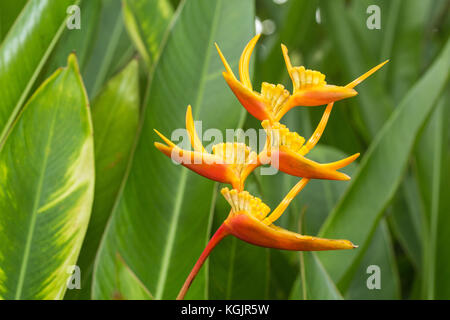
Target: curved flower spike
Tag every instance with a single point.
(229, 163)
(310, 87)
(250, 221)
(285, 151)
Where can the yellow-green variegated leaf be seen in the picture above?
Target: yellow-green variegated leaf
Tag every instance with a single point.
(46, 189)
(115, 115)
(24, 51)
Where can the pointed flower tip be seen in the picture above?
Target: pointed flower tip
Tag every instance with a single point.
(163, 148)
(167, 141)
(347, 93)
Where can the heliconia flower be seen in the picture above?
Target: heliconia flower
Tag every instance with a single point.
(285, 150)
(309, 87)
(250, 221)
(228, 163)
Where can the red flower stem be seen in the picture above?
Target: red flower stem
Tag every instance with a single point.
(221, 233)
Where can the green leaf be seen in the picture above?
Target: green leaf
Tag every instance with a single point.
(24, 51)
(315, 283)
(374, 105)
(9, 10)
(405, 220)
(146, 22)
(46, 189)
(161, 234)
(115, 115)
(370, 39)
(128, 285)
(79, 41)
(112, 48)
(441, 217)
(380, 253)
(296, 29)
(407, 49)
(431, 172)
(380, 171)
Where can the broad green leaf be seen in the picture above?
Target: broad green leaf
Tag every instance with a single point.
(372, 100)
(407, 50)
(128, 285)
(379, 254)
(46, 189)
(161, 234)
(381, 170)
(9, 10)
(431, 169)
(315, 283)
(115, 115)
(79, 41)
(112, 48)
(365, 13)
(24, 51)
(405, 220)
(441, 215)
(283, 271)
(146, 22)
(296, 28)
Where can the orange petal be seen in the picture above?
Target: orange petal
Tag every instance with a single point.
(251, 230)
(252, 101)
(316, 96)
(297, 165)
(204, 164)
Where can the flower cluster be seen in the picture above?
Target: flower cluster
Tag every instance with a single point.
(231, 163)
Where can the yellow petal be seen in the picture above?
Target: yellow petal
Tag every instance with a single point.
(296, 165)
(244, 62)
(360, 79)
(195, 141)
(204, 164)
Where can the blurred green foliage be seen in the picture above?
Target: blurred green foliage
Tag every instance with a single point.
(143, 61)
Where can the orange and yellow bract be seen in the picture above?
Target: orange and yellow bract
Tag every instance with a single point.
(250, 219)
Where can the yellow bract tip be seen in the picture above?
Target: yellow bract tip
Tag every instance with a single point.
(167, 141)
(360, 79)
(224, 61)
(244, 62)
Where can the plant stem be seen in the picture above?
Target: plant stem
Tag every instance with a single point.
(221, 233)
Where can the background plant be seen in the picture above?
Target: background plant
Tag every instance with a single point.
(138, 64)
